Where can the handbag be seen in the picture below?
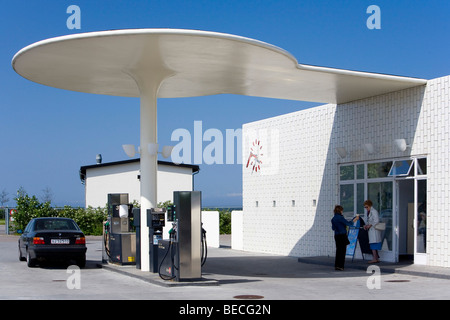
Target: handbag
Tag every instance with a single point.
(381, 226)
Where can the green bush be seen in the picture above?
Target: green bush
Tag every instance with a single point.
(225, 221)
(90, 220)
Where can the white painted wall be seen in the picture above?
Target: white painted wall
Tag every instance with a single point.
(210, 220)
(237, 230)
(123, 179)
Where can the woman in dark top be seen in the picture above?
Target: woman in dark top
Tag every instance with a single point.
(339, 224)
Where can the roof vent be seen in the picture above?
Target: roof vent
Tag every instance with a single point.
(99, 158)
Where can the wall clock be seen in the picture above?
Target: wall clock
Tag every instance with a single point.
(254, 159)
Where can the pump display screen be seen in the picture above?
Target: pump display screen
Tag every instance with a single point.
(158, 220)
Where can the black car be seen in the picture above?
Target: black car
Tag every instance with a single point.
(52, 238)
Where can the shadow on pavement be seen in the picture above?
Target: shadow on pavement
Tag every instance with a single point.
(272, 267)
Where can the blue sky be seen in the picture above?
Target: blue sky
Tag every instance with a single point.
(48, 133)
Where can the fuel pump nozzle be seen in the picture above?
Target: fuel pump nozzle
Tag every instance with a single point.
(173, 231)
(172, 238)
(204, 245)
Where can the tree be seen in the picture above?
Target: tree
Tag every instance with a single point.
(27, 208)
(47, 195)
(21, 192)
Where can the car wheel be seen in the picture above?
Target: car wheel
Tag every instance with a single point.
(30, 262)
(21, 258)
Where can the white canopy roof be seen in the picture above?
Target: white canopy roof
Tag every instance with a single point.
(198, 63)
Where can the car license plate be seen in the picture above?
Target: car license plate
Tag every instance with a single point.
(59, 241)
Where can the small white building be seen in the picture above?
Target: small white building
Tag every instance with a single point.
(392, 148)
(123, 177)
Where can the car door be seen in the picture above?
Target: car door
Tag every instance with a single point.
(26, 237)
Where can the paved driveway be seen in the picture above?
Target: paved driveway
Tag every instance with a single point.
(238, 273)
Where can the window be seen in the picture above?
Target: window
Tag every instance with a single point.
(381, 194)
(347, 199)
(360, 171)
(421, 227)
(54, 224)
(378, 169)
(401, 168)
(422, 166)
(347, 172)
(360, 198)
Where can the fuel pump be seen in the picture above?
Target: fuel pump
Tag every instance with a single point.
(155, 222)
(182, 256)
(119, 243)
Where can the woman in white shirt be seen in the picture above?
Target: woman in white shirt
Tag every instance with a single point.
(372, 218)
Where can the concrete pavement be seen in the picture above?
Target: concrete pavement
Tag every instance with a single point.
(253, 264)
(235, 273)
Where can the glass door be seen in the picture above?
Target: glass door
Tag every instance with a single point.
(382, 195)
(421, 222)
(411, 209)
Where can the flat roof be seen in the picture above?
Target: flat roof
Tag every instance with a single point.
(83, 169)
(198, 63)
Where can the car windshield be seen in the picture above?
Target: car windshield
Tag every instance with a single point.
(55, 224)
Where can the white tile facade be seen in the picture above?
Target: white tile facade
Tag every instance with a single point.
(288, 203)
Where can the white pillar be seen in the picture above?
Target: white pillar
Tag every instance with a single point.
(149, 163)
(148, 76)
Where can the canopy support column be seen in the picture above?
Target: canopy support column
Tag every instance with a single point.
(149, 162)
